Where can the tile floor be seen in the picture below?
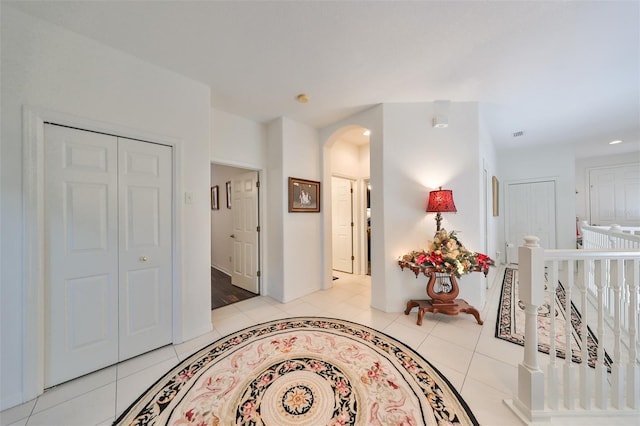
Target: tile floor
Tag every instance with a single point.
(481, 367)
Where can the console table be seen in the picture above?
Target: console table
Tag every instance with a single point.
(443, 290)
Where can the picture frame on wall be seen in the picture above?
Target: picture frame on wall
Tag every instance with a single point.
(304, 196)
(495, 191)
(214, 198)
(228, 194)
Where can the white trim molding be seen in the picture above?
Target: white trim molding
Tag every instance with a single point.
(33, 296)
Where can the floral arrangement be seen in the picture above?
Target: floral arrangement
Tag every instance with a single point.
(447, 254)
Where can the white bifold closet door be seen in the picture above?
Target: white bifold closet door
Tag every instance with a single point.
(108, 226)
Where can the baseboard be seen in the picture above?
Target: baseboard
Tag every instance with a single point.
(8, 401)
(221, 269)
(206, 328)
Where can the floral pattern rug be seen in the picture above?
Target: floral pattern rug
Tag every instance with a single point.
(511, 317)
(302, 371)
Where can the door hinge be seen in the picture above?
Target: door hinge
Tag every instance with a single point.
(353, 258)
(257, 184)
(257, 273)
(258, 228)
(351, 189)
(352, 225)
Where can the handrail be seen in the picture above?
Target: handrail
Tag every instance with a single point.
(614, 236)
(573, 254)
(611, 277)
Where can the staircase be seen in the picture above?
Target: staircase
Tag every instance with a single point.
(603, 283)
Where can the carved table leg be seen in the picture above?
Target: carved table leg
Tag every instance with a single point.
(410, 305)
(415, 304)
(473, 311)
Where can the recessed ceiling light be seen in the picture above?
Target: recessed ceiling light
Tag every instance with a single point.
(366, 132)
(615, 142)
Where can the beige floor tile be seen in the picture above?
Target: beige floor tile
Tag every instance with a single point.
(88, 409)
(17, 413)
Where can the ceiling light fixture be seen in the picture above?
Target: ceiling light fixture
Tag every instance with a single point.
(302, 98)
(366, 132)
(615, 142)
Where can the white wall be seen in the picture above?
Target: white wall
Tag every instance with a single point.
(345, 160)
(48, 67)
(294, 255)
(489, 163)
(302, 233)
(408, 159)
(550, 161)
(417, 159)
(582, 176)
(276, 200)
(364, 160)
(237, 141)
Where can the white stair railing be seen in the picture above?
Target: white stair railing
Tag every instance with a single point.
(609, 237)
(606, 237)
(550, 387)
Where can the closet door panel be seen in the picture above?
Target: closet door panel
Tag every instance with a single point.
(81, 253)
(145, 246)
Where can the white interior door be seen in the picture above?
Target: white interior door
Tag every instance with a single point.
(614, 195)
(342, 224)
(108, 226)
(244, 237)
(145, 176)
(531, 210)
(81, 253)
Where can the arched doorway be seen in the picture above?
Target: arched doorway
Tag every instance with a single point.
(347, 174)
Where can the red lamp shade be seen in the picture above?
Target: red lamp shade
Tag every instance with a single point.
(441, 201)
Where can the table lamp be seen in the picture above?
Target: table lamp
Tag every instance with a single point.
(440, 201)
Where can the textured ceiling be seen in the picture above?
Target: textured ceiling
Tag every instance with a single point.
(562, 71)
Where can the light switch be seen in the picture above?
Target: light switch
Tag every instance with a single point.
(188, 197)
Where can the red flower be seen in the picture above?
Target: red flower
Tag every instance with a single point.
(189, 415)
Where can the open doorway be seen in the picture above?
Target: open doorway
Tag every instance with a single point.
(235, 248)
(350, 218)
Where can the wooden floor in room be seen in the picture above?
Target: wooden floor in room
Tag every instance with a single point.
(224, 293)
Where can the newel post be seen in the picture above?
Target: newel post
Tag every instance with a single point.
(530, 397)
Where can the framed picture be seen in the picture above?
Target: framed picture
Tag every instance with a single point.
(495, 191)
(304, 196)
(214, 198)
(229, 194)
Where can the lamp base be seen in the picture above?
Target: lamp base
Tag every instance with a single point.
(438, 220)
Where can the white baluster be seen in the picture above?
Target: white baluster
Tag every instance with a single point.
(531, 385)
(585, 375)
(552, 369)
(569, 368)
(633, 371)
(601, 372)
(617, 369)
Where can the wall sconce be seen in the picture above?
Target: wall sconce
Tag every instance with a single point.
(440, 201)
(440, 114)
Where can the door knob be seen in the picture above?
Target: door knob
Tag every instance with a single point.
(232, 236)
(143, 258)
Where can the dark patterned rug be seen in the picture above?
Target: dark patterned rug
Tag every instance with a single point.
(302, 371)
(510, 324)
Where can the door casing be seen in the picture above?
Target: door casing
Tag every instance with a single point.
(511, 241)
(33, 177)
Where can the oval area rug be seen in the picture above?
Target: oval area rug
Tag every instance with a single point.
(302, 371)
